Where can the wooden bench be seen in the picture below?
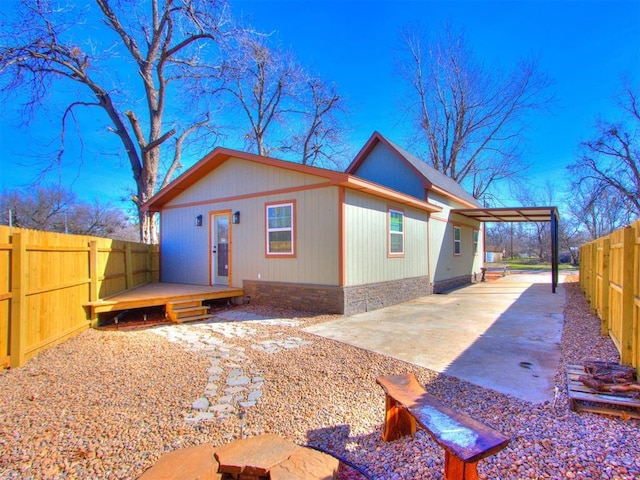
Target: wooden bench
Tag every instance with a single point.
(464, 439)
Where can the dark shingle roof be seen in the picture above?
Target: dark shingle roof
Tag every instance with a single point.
(434, 176)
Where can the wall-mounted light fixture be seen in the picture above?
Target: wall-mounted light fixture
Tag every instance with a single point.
(236, 218)
(198, 220)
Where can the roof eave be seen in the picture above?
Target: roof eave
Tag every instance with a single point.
(365, 186)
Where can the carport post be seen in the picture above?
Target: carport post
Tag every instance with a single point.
(554, 250)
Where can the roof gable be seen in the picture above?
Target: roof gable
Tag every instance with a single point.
(432, 178)
(220, 155)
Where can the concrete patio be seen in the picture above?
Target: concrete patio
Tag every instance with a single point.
(502, 334)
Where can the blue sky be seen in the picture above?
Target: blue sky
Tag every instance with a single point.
(584, 46)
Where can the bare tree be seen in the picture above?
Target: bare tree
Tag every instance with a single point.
(57, 209)
(469, 117)
(262, 81)
(598, 208)
(128, 59)
(610, 164)
(320, 141)
(286, 110)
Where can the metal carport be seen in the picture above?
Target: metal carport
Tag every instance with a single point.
(522, 214)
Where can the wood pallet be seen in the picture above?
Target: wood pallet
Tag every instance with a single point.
(584, 399)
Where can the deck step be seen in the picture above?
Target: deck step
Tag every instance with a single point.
(194, 318)
(186, 311)
(184, 303)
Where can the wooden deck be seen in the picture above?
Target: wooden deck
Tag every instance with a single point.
(158, 294)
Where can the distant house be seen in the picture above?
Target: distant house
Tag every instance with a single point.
(313, 239)
(494, 254)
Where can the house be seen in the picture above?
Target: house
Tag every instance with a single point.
(494, 254)
(316, 239)
(455, 241)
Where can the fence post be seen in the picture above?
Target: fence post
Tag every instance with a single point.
(128, 265)
(93, 280)
(581, 267)
(18, 298)
(593, 279)
(627, 337)
(604, 312)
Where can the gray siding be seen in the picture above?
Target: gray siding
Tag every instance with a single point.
(444, 264)
(385, 168)
(185, 247)
(366, 259)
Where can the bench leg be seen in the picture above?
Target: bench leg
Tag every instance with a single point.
(397, 422)
(456, 469)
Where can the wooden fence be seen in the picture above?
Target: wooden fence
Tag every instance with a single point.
(45, 278)
(610, 279)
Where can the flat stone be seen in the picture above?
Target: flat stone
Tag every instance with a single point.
(254, 455)
(200, 404)
(256, 394)
(241, 380)
(193, 463)
(306, 464)
(247, 404)
(200, 416)
(221, 408)
(234, 390)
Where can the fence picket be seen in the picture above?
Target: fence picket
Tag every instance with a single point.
(611, 283)
(46, 278)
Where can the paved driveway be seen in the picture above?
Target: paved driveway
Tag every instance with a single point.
(504, 335)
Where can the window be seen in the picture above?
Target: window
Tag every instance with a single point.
(280, 237)
(476, 235)
(457, 240)
(396, 232)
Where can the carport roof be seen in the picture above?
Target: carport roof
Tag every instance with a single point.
(510, 214)
(522, 214)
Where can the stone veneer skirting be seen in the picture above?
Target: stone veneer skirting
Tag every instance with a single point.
(305, 297)
(452, 283)
(334, 299)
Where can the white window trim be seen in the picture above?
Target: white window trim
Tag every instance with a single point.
(401, 233)
(457, 242)
(284, 229)
(476, 241)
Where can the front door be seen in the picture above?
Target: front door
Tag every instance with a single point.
(220, 248)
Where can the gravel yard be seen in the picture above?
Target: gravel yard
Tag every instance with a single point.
(107, 404)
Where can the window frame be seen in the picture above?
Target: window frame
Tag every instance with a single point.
(390, 232)
(292, 228)
(476, 240)
(457, 243)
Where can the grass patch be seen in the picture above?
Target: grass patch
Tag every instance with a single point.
(527, 265)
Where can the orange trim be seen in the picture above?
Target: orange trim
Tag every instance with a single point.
(294, 233)
(447, 194)
(439, 219)
(220, 155)
(212, 214)
(429, 250)
(376, 138)
(389, 253)
(457, 222)
(217, 157)
(251, 195)
(380, 191)
(342, 243)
